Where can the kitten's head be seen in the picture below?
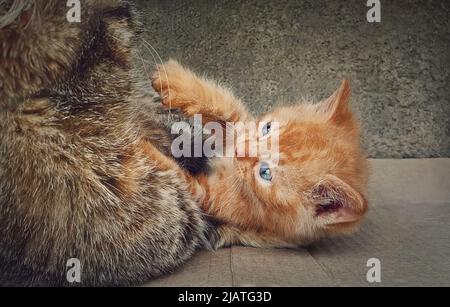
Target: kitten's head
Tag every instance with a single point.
(315, 186)
(42, 42)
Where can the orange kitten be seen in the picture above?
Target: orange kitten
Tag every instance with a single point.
(315, 188)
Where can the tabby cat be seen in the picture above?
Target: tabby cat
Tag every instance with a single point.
(85, 171)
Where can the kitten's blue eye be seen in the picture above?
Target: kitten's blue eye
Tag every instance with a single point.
(266, 128)
(264, 172)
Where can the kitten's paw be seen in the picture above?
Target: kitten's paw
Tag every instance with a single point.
(176, 85)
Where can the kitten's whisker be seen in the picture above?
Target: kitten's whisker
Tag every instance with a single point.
(143, 64)
(148, 46)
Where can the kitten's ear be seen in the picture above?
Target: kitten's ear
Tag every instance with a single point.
(336, 107)
(336, 202)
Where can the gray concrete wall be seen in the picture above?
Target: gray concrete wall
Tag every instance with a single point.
(274, 52)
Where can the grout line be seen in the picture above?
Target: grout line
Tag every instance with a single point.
(209, 269)
(231, 267)
(330, 275)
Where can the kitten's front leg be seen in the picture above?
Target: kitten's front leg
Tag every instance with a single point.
(182, 89)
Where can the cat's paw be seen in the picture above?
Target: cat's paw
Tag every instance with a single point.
(176, 86)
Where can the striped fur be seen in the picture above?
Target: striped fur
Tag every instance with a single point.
(83, 172)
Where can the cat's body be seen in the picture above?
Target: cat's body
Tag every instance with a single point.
(84, 167)
(310, 186)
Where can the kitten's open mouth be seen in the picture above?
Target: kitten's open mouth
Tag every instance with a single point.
(328, 208)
